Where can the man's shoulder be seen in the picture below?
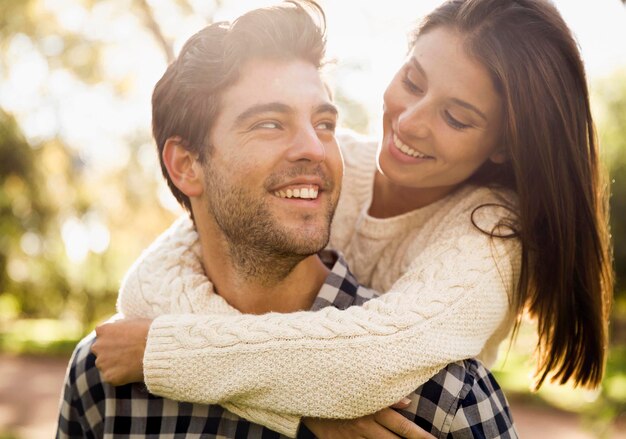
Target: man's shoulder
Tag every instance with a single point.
(340, 289)
(93, 408)
(82, 404)
(84, 381)
(444, 392)
(463, 398)
(460, 382)
(83, 361)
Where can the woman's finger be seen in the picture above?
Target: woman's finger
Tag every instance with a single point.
(402, 404)
(374, 430)
(361, 428)
(403, 427)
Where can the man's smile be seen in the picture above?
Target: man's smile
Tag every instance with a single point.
(307, 192)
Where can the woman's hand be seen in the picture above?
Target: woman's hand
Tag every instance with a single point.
(384, 424)
(119, 348)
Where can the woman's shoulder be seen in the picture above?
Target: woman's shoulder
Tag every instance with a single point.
(474, 194)
(482, 212)
(486, 202)
(474, 233)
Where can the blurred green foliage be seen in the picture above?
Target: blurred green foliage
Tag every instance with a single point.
(599, 409)
(610, 97)
(41, 337)
(46, 186)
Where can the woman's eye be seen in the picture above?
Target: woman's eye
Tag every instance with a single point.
(455, 123)
(410, 85)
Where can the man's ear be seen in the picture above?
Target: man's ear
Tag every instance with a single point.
(499, 156)
(183, 167)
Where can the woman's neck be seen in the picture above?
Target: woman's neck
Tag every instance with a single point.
(390, 199)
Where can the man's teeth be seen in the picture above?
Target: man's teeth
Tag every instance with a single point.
(307, 193)
(406, 149)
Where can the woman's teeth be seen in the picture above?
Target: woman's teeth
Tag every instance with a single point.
(309, 193)
(406, 149)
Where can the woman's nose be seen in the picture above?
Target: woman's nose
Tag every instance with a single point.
(415, 120)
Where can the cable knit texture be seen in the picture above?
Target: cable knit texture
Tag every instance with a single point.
(447, 284)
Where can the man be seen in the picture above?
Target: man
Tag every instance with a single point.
(245, 132)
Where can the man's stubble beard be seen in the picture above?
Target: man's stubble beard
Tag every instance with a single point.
(258, 246)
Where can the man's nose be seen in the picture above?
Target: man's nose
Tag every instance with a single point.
(306, 145)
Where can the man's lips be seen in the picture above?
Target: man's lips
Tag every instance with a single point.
(302, 191)
(300, 182)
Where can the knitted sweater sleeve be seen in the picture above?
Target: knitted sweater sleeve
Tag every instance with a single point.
(342, 364)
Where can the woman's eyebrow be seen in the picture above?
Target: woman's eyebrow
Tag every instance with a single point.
(418, 66)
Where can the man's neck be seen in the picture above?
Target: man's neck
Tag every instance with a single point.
(257, 283)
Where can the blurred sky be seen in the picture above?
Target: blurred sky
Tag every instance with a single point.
(367, 38)
(373, 34)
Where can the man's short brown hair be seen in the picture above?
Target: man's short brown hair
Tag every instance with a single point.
(186, 100)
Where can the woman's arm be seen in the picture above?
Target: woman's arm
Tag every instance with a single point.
(341, 364)
(119, 348)
(444, 308)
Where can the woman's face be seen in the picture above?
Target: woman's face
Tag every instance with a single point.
(442, 117)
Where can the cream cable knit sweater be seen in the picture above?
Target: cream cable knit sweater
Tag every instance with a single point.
(447, 283)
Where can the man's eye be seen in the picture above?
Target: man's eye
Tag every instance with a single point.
(326, 125)
(268, 124)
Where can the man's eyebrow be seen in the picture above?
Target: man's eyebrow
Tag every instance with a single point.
(469, 107)
(327, 108)
(275, 107)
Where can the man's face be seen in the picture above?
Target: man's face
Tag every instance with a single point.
(273, 177)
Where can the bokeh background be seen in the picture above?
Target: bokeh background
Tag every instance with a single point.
(81, 192)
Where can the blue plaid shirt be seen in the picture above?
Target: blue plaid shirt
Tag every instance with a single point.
(462, 400)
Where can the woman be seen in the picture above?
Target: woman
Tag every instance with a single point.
(487, 200)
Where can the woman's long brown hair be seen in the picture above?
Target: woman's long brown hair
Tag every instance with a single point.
(553, 165)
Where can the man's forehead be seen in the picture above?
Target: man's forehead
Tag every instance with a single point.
(267, 80)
